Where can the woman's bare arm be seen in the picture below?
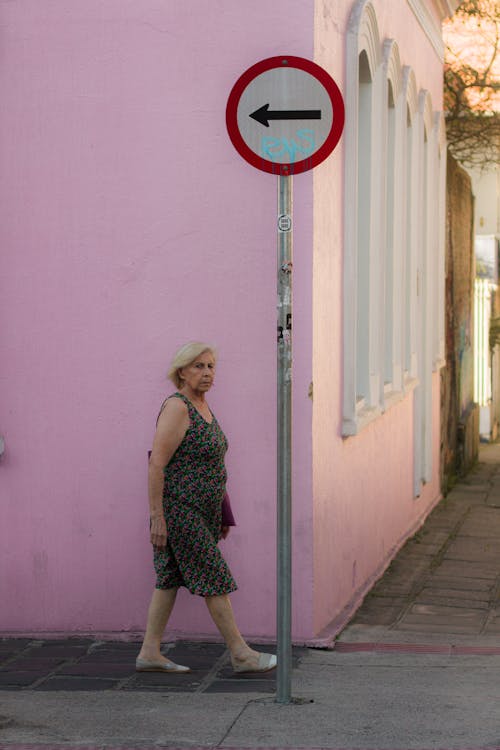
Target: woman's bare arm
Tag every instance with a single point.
(172, 426)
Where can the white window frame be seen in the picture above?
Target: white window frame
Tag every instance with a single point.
(411, 229)
(423, 394)
(392, 267)
(362, 36)
(439, 137)
(392, 340)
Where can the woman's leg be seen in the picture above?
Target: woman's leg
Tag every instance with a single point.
(222, 614)
(160, 609)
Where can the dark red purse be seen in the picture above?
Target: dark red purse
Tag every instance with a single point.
(227, 513)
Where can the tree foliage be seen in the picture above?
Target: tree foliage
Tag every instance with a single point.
(472, 83)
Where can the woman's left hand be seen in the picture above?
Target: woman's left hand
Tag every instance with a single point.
(224, 531)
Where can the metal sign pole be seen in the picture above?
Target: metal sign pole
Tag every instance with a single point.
(295, 99)
(284, 539)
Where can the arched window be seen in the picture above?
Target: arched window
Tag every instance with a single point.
(393, 253)
(439, 137)
(426, 265)
(410, 227)
(364, 230)
(364, 175)
(390, 249)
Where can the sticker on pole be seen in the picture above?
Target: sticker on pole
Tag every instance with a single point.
(285, 115)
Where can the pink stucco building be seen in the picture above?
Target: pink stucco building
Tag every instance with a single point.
(131, 225)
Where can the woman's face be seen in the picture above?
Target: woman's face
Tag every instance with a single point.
(199, 375)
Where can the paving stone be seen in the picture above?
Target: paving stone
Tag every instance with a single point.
(491, 515)
(409, 566)
(474, 550)
(398, 648)
(160, 689)
(200, 656)
(493, 623)
(68, 642)
(466, 495)
(457, 595)
(111, 670)
(232, 686)
(440, 581)
(167, 678)
(483, 522)
(478, 486)
(7, 655)
(14, 643)
(400, 580)
(61, 651)
(76, 683)
(444, 525)
(393, 588)
(437, 618)
(476, 483)
(434, 598)
(188, 681)
(96, 656)
(384, 601)
(447, 510)
(429, 535)
(383, 616)
(477, 532)
(437, 610)
(460, 569)
(203, 647)
(117, 645)
(373, 608)
(421, 625)
(19, 679)
(226, 673)
(424, 549)
(492, 628)
(27, 664)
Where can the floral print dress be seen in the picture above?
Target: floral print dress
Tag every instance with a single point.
(193, 490)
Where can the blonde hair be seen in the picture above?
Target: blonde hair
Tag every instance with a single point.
(187, 354)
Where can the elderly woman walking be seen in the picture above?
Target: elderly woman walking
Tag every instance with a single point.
(187, 481)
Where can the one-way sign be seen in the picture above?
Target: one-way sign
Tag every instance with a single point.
(263, 115)
(285, 115)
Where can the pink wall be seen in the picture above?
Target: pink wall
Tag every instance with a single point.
(130, 225)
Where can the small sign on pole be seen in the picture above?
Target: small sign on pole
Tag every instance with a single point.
(284, 116)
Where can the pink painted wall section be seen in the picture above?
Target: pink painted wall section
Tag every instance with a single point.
(364, 506)
(130, 225)
(367, 513)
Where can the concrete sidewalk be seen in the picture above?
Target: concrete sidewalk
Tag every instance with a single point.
(444, 585)
(418, 667)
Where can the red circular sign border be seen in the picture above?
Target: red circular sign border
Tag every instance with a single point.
(337, 105)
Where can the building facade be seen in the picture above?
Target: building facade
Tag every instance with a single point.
(132, 226)
(486, 186)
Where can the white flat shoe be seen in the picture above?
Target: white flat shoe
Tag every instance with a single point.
(266, 663)
(143, 665)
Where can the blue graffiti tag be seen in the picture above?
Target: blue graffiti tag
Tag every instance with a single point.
(279, 148)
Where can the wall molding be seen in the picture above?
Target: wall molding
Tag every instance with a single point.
(431, 29)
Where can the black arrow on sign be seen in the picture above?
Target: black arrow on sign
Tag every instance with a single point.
(263, 115)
